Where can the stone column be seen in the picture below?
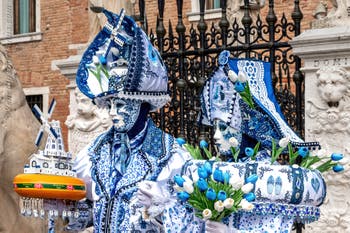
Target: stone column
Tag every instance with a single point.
(326, 56)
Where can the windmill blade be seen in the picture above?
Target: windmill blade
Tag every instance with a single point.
(39, 136)
(53, 132)
(51, 108)
(38, 113)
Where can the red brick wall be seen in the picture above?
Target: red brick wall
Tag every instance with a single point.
(62, 23)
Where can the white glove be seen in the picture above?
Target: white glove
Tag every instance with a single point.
(148, 192)
(215, 227)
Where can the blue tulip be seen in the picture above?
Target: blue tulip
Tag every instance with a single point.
(210, 194)
(218, 175)
(203, 144)
(337, 156)
(202, 184)
(179, 180)
(202, 172)
(208, 167)
(239, 87)
(252, 179)
(103, 60)
(249, 197)
(338, 168)
(222, 195)
(181, 141)
(249, 151)
(183, 196)
(303, 151)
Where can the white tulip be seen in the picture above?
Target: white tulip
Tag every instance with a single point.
(188, 187)
(241, 77)
(219, 206)
(284, 142)
(246, 205)
(206, 214)
(195, 177)
(233, 141)
(178, 188)
(232, 76)
(247, 188)
(95, 60)
(228, 203)
(236, 182)
(187, 179)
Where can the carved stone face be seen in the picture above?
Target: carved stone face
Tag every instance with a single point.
(332, 86)
(222, 134)
(123, 112)
(85, 108)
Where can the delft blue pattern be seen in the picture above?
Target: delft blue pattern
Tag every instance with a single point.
(146, 73)
(260, 83)
(259, 126)
(276, 197)
(112, 211)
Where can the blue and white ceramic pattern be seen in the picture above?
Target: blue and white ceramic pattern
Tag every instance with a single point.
(134, 68)
(284, 194)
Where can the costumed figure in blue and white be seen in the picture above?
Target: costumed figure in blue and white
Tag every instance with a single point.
(223, 107)
(129, 169)
(284, 194)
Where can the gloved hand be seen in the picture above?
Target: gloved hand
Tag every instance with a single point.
(147, 192)
(152, 197)
(215, 227)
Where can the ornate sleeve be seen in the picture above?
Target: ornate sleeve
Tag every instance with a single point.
(177, 217)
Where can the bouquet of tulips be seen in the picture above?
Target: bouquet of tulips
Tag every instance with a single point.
(215, 194)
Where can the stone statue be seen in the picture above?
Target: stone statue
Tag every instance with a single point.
(86, 123)
(235, 9)
(331, 112)
(337, 16)
(17, 135)
(97, 20)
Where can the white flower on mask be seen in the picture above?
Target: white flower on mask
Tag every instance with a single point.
(241, 77)
(95, 60)
(232, 76)
(233, 142)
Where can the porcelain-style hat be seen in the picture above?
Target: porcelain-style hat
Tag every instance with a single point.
(219, 100)
(121, 62)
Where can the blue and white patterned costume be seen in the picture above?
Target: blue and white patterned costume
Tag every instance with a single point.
(155, 156)
(121, 68)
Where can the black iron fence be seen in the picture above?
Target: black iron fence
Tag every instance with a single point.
(190, 54)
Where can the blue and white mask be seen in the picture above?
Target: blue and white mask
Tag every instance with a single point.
(124, 112)
(121, 62)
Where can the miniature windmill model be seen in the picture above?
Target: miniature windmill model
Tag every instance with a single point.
(44, 121)
(48, 177)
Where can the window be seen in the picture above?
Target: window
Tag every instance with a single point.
(35, 100)
(19, 21)
(212, 4)
(213, 10)
(38, 96)
(45, 165)
(23, 16)
(33, 163)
